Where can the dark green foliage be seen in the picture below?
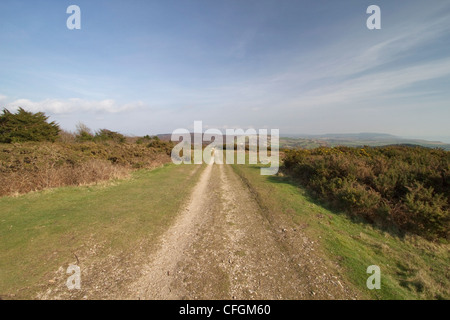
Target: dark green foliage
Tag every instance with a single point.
(154, 142)
(404, 187)
(146, 139)
(83, 133)
(165, 146)
(84, 137)
(25, 126)
(108, 135)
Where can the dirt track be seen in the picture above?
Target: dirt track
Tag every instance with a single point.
(223, 247)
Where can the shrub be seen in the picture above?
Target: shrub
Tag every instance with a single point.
(153, 142)
(405, 187)
(427, 210)
(146, 139)
(83, 133)
(51, 175)
(32, 166)
(108, 135)
(25, 126)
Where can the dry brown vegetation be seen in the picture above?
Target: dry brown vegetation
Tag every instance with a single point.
(32, 166)
(36, 154)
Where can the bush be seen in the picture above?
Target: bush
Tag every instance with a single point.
(108, 135)
(156, 144)
(32, 166)
(427, 209)
(405, 187)
(25, 126)
(83, 133)
(146, 139)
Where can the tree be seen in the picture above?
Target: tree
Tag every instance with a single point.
(83, 133)
(26, 126)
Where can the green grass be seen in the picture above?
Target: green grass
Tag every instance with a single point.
(41, 231)
(411, 267)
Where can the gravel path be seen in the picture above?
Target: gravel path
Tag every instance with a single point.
(222, 246)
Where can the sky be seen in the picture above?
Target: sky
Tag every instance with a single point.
(303, 67)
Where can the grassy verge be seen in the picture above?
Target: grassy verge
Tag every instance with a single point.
(46, 230)
(411, 267)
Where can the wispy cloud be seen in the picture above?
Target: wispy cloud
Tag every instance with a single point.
(374, 85)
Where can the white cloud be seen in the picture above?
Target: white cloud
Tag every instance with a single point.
(74, 105)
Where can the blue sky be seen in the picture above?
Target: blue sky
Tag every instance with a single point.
(147, 67)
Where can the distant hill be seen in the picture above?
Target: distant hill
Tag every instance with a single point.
(167, 137)
(360, 136)
(355, 140)
(340, 139)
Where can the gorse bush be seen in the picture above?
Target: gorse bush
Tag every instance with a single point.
(404, 187)
(30, 162)
(51, 175)
(108, 135)
(32, 166)
(156, 143)
(25, 126)
(84, 134)
(146, 139)
(427, 208)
